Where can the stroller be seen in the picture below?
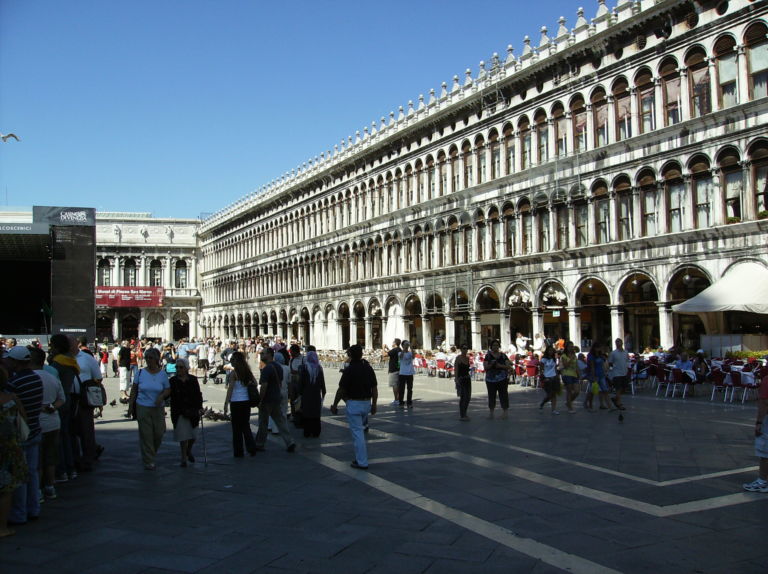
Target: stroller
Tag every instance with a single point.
(216, 373)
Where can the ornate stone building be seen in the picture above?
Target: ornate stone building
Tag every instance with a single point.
(146, 276)
(577, 189)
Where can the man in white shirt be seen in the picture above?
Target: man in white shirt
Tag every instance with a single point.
(84, 445)
(618, 365)
(522, 344)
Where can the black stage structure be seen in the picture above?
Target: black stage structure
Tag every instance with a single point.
(49, 274)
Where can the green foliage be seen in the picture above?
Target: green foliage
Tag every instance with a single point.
(744, 355)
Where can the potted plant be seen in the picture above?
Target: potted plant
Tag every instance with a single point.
(732, 219)
(762, 214)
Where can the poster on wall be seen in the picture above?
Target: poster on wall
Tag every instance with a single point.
(129, 296)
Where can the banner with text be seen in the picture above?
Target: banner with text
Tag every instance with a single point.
(129, 296)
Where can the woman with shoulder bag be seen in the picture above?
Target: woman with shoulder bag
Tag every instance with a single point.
(186, 408)
(148, 394)
(497, 371)
(238, 380)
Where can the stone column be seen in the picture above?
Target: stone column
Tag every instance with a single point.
(748, 196)
(537, 319)
(574, 326)
(718, 201)
(474, 327)
(193, 323)
(450, 332)
(714, 89)
(589, 141)
(689, 203)
(506, 337)
(742, 80)
(591, 221)
(116, 331)
(117, 275)
(518, 152)
(142, 278)
(617, 323)
(613, 211)
(637, 213)
(665, 325)
(193, 273)
(426, 331)
(569, 139)
(662, 208)
(685, 95)
(142, 321)
(168, 324)
(571, 223)
(168, 263)
(611, 119)
(368, 333)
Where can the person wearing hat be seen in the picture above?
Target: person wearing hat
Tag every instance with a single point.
(357, 388)
(28, 387)
(700, 366)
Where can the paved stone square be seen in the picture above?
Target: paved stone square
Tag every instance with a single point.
(536, 493)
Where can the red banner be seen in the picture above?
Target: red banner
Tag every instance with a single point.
(129, 296)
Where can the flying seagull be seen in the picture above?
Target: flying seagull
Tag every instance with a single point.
(6, 137)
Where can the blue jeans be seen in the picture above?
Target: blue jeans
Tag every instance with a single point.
(357, 411)
(26, 497)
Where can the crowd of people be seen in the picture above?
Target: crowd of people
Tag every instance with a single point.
(48, 401)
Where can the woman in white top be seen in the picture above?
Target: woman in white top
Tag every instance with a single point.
(147, 405)
(238, 380)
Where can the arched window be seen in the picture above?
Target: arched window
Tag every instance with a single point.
(560, 206)
(510, 230)
(481, 160)
(495, 156)
(648, 203)
(698, 83)
(757, 60)
(670, 79)
(579, 121)
(759, 158)
(469, 173)
(702, 187)
(561, 130)
(674, 187)
(180, 273)
(542, 131)
(732, 182)
(155, 273)
(727, 71)
(600, 117)
(104, 276)
(602, 212)
(129, 273)
(646, 101)
(623, 109)
(623, 189)
(509, 149)
(524, 129)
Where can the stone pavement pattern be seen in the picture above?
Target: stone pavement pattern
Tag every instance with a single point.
(660, 492)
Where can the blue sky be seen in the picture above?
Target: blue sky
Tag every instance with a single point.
(182, 107)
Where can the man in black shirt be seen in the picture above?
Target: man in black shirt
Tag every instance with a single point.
(393, 371)
(270, 382)
(357, 388)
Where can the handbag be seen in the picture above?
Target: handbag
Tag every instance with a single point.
(95, 395)
(254, 397)
(22, 428)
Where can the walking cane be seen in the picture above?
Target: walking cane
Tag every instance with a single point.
(205, 450)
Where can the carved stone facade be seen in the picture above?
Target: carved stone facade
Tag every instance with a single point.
(135, 250)
(578, 190)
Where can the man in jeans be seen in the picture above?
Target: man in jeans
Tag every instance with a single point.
(357, 388)
(270, 382)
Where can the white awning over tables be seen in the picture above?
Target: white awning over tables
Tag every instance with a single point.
(744, 287)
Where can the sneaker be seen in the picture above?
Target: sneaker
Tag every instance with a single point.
(758, 485)
(394, 403)
(358, 466)
(555, 412)
(50, 492)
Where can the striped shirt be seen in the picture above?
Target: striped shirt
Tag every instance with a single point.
(28, 387)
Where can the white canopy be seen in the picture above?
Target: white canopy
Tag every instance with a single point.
(743, 288)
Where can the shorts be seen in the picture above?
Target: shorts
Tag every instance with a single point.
(202, 364)
(551, 385)
(602, 383)
(621, 383)
(394, 379)
(568, 380)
